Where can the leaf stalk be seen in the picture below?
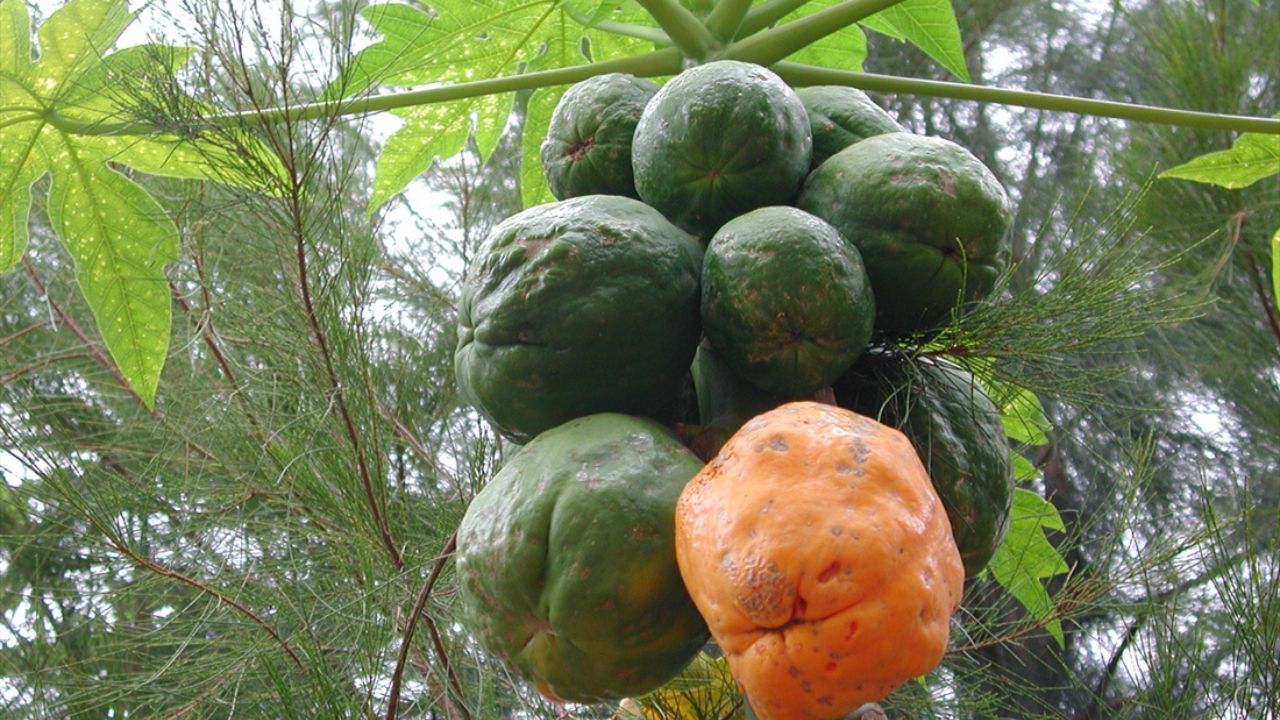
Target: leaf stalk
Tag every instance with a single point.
(798, 75)
(683, 27)
(770, 46)
(726, 18)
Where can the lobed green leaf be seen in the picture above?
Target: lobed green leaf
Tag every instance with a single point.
(463, 41)
(1026, 557)
(120, 239)
(1252, 157)
(930, 25)
(845, 49)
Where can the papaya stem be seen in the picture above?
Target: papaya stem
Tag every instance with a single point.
(658, 62)
(683, 27)
(766, 14)
(798, 75)
(639, 32)
(726, 18)
(770, 46)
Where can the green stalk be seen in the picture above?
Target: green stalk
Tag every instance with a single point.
(640, 32)
(658, 62)
(683, 27)
(770, 46)
(768, 13)
(726, 18)
(799, 75)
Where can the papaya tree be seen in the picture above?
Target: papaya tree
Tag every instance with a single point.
(236, 441)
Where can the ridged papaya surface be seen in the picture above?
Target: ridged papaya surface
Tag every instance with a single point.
(587, 149)
(719, 140)
(567, 566)
(821, 558)
(577, 307)
(931, 221)
(957, 432)
(840, 116)
(786, 302)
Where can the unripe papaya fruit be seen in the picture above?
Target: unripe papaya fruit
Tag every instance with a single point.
(587, 150)
(956, 430)
(786, 302)
(932, 223)
(566, 560)
(576, 307)
(718, 140)
(840, 116)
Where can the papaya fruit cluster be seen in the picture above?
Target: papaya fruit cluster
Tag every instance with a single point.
(722, 251)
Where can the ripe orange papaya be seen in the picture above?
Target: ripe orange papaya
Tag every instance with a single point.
(821, 557)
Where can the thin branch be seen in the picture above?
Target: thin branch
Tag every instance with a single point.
(393, 700)
(28, 329)
(221, 597)
(799, 75)
(652, 64)
(43, 362)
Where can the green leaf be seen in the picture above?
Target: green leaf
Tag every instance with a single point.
(20, 166)
(929, 25)
(15, 29)
(1020, 410)
(845, 49)
(1252, 157)
(73, 40)
(1022, 415)
(1026, 557)
(120, 239)
(461, 41)
(1023, 470)
(117, 235)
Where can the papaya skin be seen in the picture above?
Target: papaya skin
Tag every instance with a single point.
(931, 221)
(566, 563)
(821, 558)
(719, 140)
(576, 307)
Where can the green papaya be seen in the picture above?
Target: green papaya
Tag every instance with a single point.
(719, 140)
(786, 302)
(957, 432)
(931, 221)
(576, 307)
(841, 116)
(566, 561)
(587, 149)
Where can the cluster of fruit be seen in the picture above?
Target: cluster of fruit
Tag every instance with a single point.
(722, 249)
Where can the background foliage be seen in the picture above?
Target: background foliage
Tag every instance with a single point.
(255, 541)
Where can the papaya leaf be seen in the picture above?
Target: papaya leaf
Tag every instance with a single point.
(1023, 470)
(930, 25)
(1026, 558)
(1020, 410)
(116, 233)
(845, 49)
(1022, 415)
(120, 239)
(1252, 157)
(459, 41)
